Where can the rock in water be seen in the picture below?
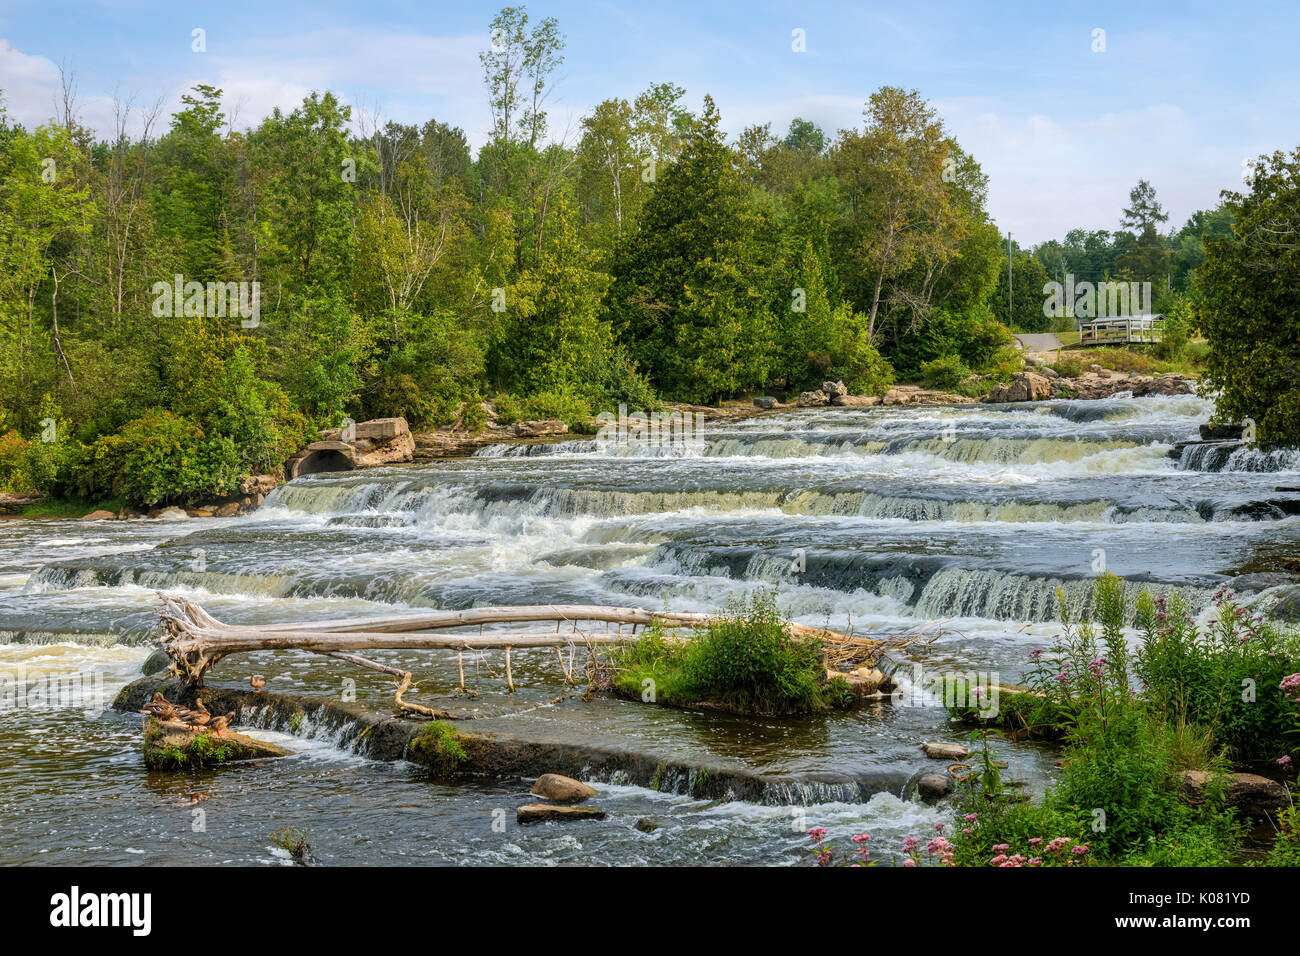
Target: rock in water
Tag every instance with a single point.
(647, 824)
(941, 751)
(764, 401)
(168, 746)
(851, 401)
(932, 786)
(561, 789)
(538, 812)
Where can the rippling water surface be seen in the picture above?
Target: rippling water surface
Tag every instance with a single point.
(875, 519)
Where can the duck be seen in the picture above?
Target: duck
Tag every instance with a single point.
(160, 707)
(258, 682)
(219, 724)
(199, 715)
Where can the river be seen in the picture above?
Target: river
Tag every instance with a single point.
(878, 519)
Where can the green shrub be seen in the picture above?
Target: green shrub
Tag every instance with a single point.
(1225, 677)
(1070, 366)
(572, 409)
(945, 373)
(747, 662)
(1286, 848)
(13, 461)
(160, 457)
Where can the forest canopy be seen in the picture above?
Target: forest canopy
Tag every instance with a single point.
(647, 258)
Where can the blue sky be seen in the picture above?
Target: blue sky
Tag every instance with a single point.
(1182, 95)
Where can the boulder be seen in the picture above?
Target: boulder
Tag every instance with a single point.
(1286, 607)
(1023, 387)
(561, 789)
(539, 812)
(832, 389)
(943, 751)
(12, 502)
(170, 514)
(765, 401)
(896, 397)
(228, 510)
(1253, 795)
(99, 515)
(860, 684)
(813, 399)
(401, 448)
(259, 485)
(382, 430)
(932, 786)
(853, 401)
(538, 429)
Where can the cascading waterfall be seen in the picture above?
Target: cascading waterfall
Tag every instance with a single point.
(879, 520)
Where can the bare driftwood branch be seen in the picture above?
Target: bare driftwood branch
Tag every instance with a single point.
(194, 640)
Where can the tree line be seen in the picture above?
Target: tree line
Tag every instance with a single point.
(642, 257)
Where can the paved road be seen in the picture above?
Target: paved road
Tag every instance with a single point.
(1040, 342)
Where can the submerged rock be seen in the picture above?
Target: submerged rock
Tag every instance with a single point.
(539, 812)
(647, 824)
(562, 789)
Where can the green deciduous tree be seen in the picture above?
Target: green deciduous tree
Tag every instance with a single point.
(1251, 314)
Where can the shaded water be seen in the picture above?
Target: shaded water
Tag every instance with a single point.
(875, 519)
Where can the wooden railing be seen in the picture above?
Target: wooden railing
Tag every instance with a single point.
(1134, 329)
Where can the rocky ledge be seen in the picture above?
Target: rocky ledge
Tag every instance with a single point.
(468, 748)
(1097, 383)
(837, 394)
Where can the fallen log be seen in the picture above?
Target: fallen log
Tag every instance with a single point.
(195, 641)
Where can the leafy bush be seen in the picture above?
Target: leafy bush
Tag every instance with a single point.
(160, 457)
(1070, 366)
(13, 461)
(1226, 677)
(572, 409)
(747, 662)
(1286, 848)
(945, 373)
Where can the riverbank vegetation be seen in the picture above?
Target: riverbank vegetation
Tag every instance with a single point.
(747, 663)
(1132, 721)
(644, 257)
